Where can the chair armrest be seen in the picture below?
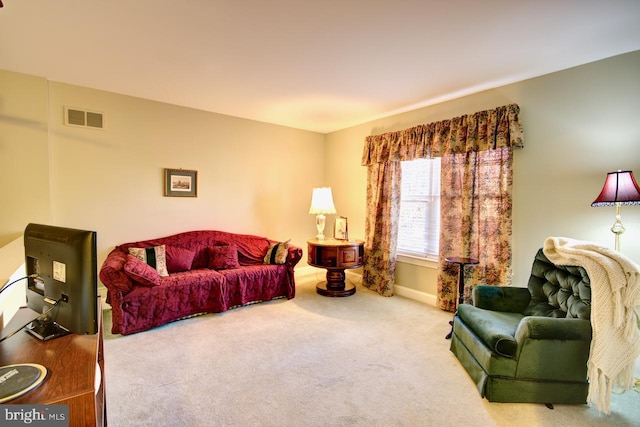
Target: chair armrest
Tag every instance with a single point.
(553, 348)
(553, 328)
(501, 298)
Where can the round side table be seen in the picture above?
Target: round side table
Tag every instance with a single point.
(462, 262)
(336, 256)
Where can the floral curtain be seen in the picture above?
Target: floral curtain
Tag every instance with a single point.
(475, 220)
(381, 227)
(458, 141)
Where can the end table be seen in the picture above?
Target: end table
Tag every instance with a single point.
(462, 262)
(336, 256)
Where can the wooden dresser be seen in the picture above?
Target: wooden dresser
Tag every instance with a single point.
(75, 364)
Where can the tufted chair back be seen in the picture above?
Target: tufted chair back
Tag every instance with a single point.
(558, 291)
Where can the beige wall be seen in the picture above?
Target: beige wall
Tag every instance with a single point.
(24, 154)
(257, 178)
(253, 177)
(579, 124)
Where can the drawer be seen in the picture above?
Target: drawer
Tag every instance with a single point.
(349, 257)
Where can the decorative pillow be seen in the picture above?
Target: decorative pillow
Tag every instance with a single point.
(277, 253)
(141, 272)
(155, 257)
(179, 259)
(223, 257)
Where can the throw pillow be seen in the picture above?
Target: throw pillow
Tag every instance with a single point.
(277, 253)
(155, 257)
(179, 259)
(141, 272)
(223, 257)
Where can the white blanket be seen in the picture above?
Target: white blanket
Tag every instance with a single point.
(615, 295)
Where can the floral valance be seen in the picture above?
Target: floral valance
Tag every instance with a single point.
(484, 130)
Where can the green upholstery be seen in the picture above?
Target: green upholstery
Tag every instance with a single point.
(528, 344)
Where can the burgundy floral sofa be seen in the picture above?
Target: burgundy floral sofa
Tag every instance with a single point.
(154, 282)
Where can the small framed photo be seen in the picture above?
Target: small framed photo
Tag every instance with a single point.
(180, 183)
(340, 229)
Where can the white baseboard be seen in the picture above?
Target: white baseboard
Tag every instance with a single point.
(356, 275)
(415, 295)
(321, 273)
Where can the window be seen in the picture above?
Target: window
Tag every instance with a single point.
(419, 228)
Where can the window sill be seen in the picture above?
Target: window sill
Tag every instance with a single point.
(422, 262)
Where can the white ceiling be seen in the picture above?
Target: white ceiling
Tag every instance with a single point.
(319, 65)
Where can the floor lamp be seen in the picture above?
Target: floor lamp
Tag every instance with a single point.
(620, 188)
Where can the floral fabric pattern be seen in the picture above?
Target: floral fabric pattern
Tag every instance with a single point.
(476, 184)
(475, 221)
(138, 306)
(381, 227)
(484, 130)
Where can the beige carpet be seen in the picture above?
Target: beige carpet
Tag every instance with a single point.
(364, 360)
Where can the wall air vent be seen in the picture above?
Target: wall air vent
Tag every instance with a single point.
(83, 118)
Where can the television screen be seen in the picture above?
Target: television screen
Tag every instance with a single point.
(62, 284)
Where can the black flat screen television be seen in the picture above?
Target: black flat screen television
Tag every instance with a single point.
(62, 267)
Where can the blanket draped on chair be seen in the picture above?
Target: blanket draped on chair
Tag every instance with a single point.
(615, 296)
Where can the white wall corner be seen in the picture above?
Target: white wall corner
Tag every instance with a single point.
(12, 269)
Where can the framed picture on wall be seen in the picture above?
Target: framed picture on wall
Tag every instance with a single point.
(340, 229)
(180, 183)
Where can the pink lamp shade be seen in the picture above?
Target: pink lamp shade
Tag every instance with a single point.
(619, 187)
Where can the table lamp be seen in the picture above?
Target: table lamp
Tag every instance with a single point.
(620, 188)
(321, 204)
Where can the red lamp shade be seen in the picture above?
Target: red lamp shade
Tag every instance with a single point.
(619, 187)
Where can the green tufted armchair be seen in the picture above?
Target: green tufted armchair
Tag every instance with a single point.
(528, 345)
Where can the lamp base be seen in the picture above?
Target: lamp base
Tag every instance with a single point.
(320, 221)
(617, 227)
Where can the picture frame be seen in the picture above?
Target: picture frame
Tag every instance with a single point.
(340, 229)
(180, 183)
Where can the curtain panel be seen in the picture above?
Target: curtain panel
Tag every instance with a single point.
(381, 227)
(457, 140)
(475, 221)
(484, 130)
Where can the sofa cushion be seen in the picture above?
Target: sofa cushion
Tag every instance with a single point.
(277, 253)
(497, 329)
(255, 283)
(179, 259)
(141, 272)
(154, 256)
(177, 296)
(223, 257)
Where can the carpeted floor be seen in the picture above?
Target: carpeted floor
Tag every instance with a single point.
(364, 360)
